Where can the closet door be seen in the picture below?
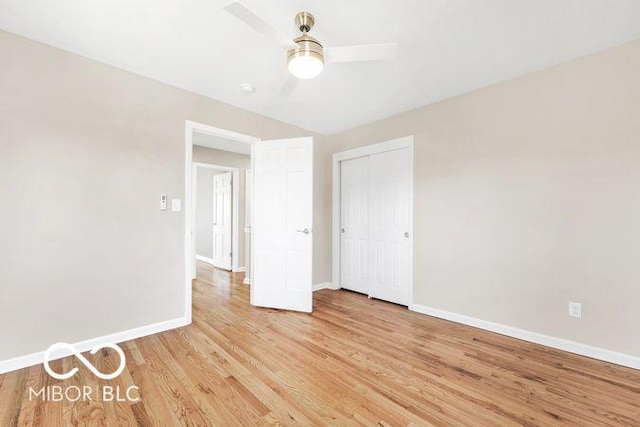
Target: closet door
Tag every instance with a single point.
(389, 226)
(354, 219)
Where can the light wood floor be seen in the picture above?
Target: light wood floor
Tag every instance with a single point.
(353, 361)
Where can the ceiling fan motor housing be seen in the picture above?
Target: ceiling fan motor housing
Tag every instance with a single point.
(307, 46)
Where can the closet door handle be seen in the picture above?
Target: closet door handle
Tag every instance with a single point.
(305, 231)
(406, 234)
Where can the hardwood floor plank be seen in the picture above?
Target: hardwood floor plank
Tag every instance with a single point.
(154, 401)
(11, 399)
(354, 361)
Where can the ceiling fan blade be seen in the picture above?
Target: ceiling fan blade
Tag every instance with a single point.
(288, 87)
(245, 15)
(364, 52)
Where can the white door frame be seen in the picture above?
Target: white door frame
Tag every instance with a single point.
(368, 150)
(235, 214)
(189, 263)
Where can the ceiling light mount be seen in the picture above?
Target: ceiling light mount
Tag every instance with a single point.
(247, 88)
(305, 21)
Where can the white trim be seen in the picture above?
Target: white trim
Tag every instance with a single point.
(247, 281)
(204, 259)
(82, 346)
(238, 270)
(252, 221)
(192, 216)
(235, 215)
(335, 231)
(190, 127)
(326, 285)
(534, 337)
(189, 251)
(367, 150)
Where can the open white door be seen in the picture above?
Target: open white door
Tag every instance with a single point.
(222, 214)
(282, 224)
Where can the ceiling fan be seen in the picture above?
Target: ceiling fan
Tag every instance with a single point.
(306, 56)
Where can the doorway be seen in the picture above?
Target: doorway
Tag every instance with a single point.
(218, 210)
(277, 225)
(373, 220)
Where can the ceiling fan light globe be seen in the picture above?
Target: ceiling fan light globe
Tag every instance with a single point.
(307, 60)
(305, 66)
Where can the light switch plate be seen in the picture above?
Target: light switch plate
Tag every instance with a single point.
(176, 205)
(575, 309)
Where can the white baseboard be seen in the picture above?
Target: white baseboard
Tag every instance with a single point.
(246, 281)
(238, 270)
(534, 337)
(82, 346)
(325, 285)
(204, 259)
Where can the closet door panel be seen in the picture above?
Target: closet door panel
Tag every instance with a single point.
(354, 218)
(388, 225)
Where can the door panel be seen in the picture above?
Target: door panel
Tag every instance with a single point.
(388, 222)
(354, 220)
(282, 224)
(222, 220)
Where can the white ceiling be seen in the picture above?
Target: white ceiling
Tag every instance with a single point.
(447, 47)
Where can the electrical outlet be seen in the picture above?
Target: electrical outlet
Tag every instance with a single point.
(575, 309)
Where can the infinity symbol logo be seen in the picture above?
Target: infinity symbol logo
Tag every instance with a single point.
(85, 362)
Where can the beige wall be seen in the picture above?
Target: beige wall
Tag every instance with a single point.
(527, 196)
(85, 152)
(221, 157)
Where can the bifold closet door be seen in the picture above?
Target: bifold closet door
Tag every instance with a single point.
(354, 219)
(389, 226)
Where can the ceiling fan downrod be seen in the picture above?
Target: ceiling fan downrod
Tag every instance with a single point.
(305, 21)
